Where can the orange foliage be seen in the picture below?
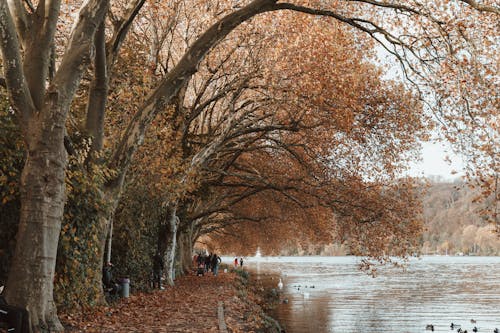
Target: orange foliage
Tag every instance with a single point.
(321, 160)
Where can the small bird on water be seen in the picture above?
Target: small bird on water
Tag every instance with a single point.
(429, 327)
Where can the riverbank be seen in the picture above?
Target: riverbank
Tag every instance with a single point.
(190, 306)
(331, 294)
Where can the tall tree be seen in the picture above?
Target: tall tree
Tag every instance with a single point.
(41, 103)
(296, 161)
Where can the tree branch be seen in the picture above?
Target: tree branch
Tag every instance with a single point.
(77, 55)
(20, 16)
(389, 5)
(98, 92)
(482, 8)
(13, 69)
(122, 27)
(49, 24)
(175, 79)
(30, 6)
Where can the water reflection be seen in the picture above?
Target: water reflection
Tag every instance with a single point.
(329, 294)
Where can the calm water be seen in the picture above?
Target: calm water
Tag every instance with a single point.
(432, 290)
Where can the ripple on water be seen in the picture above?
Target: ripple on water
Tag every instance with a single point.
(437, 290)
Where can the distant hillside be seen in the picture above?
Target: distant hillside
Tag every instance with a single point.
(452, 223)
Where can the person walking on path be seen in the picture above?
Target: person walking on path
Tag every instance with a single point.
(216, 260)
(241, 262)
(200, 260)
(157, 270)
(235, 262)
(208, 259)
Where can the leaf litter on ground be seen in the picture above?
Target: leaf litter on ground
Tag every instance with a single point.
(189, 306)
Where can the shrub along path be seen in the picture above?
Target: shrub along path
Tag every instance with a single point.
(190, 306)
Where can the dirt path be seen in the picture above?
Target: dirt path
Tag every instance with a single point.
(190, 306)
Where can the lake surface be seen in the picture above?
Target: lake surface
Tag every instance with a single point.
(432, 290)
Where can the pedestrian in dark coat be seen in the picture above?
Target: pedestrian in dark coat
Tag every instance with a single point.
(208, 260)
(216, 260)
(157, 270)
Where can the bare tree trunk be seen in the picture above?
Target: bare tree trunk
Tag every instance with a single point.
(112, 195)
(186, 250)
(30, 283)
(167, 241)
(100, 250)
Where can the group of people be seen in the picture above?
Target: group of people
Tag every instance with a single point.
(203, 261)
(206, 263)
(236, 262)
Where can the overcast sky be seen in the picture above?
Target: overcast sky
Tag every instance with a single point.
(433, 154)
(433, 162)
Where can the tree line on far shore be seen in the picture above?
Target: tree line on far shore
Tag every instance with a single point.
(453, 225)
(454, 221)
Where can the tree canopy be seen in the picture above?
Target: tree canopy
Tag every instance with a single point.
(256, 117)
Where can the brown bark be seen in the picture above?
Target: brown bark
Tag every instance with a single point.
(39, 41)
(20, 19)
(17, 87)
(185, 251)
(98, 93)
(30, 283)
